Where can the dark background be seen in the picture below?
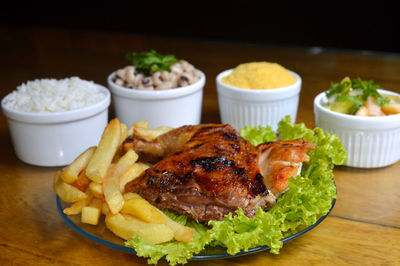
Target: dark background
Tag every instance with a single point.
(354, 25)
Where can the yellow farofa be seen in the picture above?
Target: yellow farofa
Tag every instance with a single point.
(259, 75)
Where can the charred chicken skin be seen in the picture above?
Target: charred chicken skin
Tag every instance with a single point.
(207, 171)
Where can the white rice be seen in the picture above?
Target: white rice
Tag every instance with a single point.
(51, 95)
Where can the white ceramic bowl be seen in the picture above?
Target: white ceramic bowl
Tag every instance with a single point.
(56, 139)
(173, 107)
(241, 107)
(370, 142)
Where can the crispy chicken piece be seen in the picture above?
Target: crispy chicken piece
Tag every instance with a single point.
(207, 171)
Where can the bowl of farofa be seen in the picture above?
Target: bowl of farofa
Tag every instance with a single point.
(257, 93)
(158, 88)
(52, 121)
(365, 117)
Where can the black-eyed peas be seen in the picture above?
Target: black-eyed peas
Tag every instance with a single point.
(182, 74)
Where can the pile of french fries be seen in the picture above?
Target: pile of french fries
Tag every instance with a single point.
(94, 185)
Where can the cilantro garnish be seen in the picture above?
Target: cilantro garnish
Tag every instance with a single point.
(355, 92)
(150, 62)
(369, 89)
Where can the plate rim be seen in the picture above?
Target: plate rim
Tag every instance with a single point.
(225, 255)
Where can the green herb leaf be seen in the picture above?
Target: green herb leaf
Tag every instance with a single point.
(335, 88)
(369, 89)
(150, 62)
(366, 88)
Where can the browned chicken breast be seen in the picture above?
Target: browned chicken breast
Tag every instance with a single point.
(207, 171)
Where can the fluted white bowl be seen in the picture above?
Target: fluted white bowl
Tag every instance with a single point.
(173, 107)
(56, 138)
(241, 107)
(370, 142)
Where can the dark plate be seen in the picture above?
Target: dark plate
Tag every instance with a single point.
(100, 234)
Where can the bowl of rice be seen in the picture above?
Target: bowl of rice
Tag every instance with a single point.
(257, 93)
(52, 121)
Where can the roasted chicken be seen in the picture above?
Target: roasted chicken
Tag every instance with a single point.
(207, 171)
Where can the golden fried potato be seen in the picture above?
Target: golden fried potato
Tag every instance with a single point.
(150, 134)
(102, 157)
(142, 209)
(142, 124)
(76, 207)
(82, 182)
(124, 226)
(67, 192)
(90, 215)
(96, 189)
(134, 171)
(124, 132)
(105, 209)
(181, 233)
(111, 186)
(96, 203)
(71, 172)
(125, 162)
(130, 195)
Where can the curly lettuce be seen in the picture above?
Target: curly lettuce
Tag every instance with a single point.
(309, 197)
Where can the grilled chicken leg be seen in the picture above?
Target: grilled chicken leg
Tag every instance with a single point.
(207, 171)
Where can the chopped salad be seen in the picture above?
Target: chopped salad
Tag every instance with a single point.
(361, 98)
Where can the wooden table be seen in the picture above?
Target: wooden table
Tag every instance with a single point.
(363, 228)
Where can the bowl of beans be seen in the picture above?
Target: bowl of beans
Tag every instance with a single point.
(167, 92)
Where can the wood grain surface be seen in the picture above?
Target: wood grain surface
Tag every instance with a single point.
(363, 228)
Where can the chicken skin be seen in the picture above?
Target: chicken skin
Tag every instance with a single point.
(207, 171)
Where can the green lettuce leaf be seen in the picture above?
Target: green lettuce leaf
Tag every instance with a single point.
(308, 198)
(257, 135)
(175, 252)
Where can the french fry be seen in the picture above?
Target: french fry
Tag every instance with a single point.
(130, 195)
(150, 134)
(82, 182)
(102, 157)
(125, 162)
(124, 132)
(181, 233)
(111, 187)
(104, 209)
(112, 194)
(125, 226)
(76, 207)
(71, 172)
(90, 215)
(96, 180)
(96, 189)
(163, 129)
(67, 192)
(130, 131)
(96, 203)
(130, 174)
(142, 209)
(142, 124)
